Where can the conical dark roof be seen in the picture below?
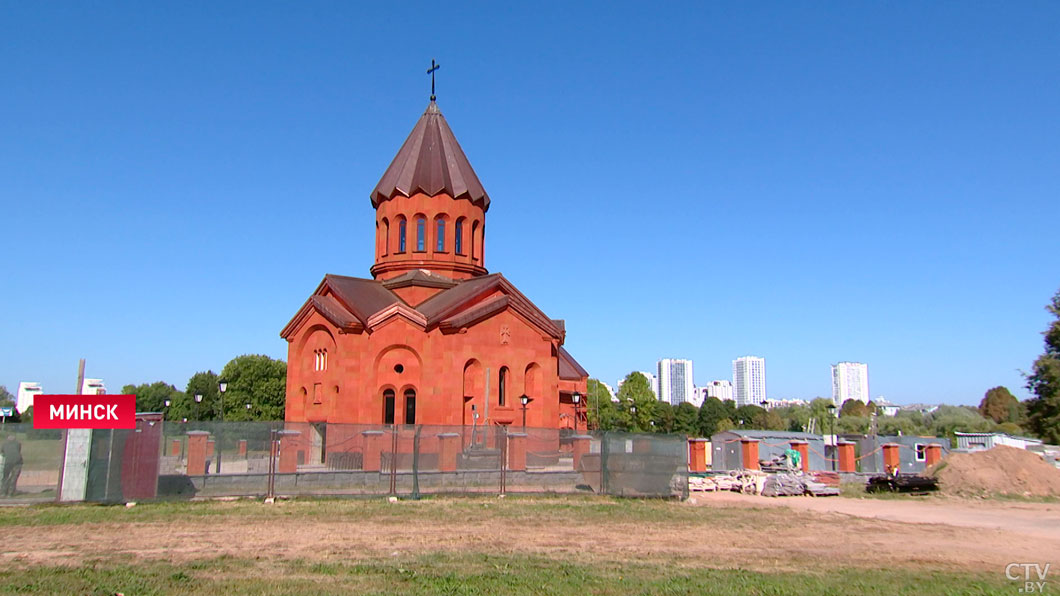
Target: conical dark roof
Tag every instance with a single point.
(431, 161)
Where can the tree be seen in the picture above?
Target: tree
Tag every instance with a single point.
(204, 384)
(767, 420)
(854, 407)
(636, 393)
(685, 419)
(946, 420)
(256, 380)
(1043, 411)
(855, 425)
(662, 417)
(603, 413)
(711, 413)
(1000, 406)
(746, 415)
(152, 398)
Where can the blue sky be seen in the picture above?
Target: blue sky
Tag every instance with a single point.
(809, 182)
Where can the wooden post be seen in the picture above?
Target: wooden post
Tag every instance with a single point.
(932, 454)
(891, 458)
(749, 453)
(847, 461)
(804, 453)
(697, 455)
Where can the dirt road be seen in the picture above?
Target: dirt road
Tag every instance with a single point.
(1034, 520)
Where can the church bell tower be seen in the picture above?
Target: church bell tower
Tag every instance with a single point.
(430, 207)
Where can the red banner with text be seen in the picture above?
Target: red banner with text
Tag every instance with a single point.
(84, 411)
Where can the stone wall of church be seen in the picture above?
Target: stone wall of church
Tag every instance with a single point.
(441, 369)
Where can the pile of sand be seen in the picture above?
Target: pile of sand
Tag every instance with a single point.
(999, 470)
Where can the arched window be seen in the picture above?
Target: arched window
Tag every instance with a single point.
(458, 236)
(503, 378)
(410, 406)
(401, 235)
(474, 237)
(388, 406)
(421, 234)
(386, 237)
(439, 235)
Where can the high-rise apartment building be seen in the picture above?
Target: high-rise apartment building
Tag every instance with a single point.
(749, 380)
(720, 389)
(675, 381)
(850, 380)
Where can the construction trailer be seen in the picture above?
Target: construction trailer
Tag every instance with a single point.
(728, 448)
(912, 451)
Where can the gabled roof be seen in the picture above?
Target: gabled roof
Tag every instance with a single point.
(352, 303)
(431, 161)
(362, 297)
(569, 369)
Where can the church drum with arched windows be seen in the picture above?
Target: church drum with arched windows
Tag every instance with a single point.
(416, 343)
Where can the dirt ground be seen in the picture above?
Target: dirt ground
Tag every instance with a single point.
(720, 530)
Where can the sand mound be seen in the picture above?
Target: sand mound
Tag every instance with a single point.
(999, 470)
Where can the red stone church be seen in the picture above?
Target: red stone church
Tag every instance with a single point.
(432, 337)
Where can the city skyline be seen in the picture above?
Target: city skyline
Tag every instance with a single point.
(150, 185)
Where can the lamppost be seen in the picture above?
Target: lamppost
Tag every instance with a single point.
(198, 400)
(248, 410)
(633, 418)
(576, 398)
(166, 408)
(525, 400)
(221, 387)
(831, 424)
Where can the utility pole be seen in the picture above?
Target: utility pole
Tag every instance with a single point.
(80, 376)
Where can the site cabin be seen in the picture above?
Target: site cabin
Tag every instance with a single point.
(418, 342)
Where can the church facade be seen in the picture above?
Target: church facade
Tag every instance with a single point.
(432, 337)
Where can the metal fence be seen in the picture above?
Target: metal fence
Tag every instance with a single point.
(166, 460)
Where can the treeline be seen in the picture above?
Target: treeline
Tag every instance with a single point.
(255, 386)
(637, 410)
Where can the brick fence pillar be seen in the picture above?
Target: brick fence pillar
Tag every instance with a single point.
(289, 443)
(891, 459)
(580, 446)
(517, 452)
(210, 444)
(197, 452)
(448, 448)
(174, 447)
(697, 455)
(749, 453)
(373, 448)
(847, 461)
(242, 448)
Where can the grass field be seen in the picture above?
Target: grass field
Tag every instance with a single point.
(458, 546)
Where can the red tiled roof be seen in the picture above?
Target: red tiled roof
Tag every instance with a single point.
(569, 368)
(431, 161)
